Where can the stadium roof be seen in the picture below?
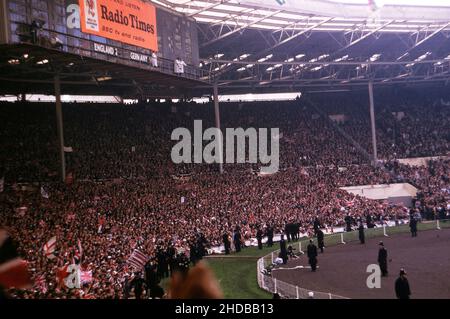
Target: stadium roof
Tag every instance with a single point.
(287, 45)
(303, 14)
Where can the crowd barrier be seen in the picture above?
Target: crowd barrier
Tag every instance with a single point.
(289, 291)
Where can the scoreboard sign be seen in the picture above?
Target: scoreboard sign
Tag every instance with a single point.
(129, 21)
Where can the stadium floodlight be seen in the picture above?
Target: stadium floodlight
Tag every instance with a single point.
(104, 78)
(375, 57)
(244, 56)
(248, 66)
(241, 69)
(45, 61)
(25, 56)
(218, 55)
(14, 61)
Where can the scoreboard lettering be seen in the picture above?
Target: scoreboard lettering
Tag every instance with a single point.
(106, 49)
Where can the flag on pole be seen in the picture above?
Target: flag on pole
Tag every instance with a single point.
(80, 249)
(137, 259)
(44, 193)
(2, 184)
(49, 248)
(68, 149)
(13, 269)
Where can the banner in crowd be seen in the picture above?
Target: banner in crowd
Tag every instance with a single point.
(137, 259)
(128, 21)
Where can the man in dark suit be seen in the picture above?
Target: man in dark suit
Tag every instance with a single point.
(312, 255)
(382, 259)
(283, 250)
(402, 289)
(320, 239)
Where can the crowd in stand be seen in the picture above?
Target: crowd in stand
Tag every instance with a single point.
(127, 194)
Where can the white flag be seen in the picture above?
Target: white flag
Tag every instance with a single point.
(44, 193)
(68, 149)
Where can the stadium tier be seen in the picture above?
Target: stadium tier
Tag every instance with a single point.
(147, 154)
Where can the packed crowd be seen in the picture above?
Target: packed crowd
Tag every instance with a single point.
(128, 195)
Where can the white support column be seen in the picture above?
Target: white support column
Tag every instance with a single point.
(275, 285)
(438, 226)
(300, 248)
(297, 292)
(342, 239)
(372, 124)
(384, 231)
(217, 117)
(60, 127)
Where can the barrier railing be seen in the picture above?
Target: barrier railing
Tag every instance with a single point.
(266, 263)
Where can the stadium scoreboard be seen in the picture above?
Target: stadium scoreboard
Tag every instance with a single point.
(119, 31)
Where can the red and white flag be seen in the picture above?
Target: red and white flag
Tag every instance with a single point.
(50, 247)
(41, 284)
(137, 259)
(350, 203)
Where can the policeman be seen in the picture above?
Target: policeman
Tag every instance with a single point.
(382, 259)
(259, 237)
(320, 239)
(269, 236)
(402, 289)
(312, 255)
(361, 235)
(226, 243)
(413, 226)
(283, 250)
